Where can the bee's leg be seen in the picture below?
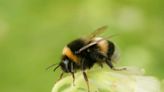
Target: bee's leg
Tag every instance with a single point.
(85, 75)
(61, 75)
(118, 69)
(86, 79)
(73, 76)
(109, 63)
(102, 57)
(98, 56)
(72, 73)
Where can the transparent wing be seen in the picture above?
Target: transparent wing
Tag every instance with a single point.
(97, 32)
(94, 43)
(91, 36)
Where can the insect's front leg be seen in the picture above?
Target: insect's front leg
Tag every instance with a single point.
(85, 75)
(72, 73)
(61, 75)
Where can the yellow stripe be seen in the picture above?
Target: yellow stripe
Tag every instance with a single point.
(103, 45)
(67, 51)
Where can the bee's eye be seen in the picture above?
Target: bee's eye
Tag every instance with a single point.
(64, 65)
(65, 62)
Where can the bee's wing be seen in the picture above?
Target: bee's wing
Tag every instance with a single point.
(97, 32)
(91, 36)
(94, 43)
(87, 46)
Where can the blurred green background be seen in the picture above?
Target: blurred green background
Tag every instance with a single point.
(33, 33)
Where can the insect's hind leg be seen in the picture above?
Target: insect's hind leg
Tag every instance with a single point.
(109, 63)
(107, 60)
(102, 58)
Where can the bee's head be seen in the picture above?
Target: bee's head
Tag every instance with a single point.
(65, 64)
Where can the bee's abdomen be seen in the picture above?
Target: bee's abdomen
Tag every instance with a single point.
(105, 46)
(111, 49)
(102, 45)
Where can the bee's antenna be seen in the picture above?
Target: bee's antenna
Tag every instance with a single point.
(56, 68)
(50, 66)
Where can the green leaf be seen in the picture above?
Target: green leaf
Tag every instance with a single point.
(105, 80)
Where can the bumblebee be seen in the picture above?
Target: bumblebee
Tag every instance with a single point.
(83, 53)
